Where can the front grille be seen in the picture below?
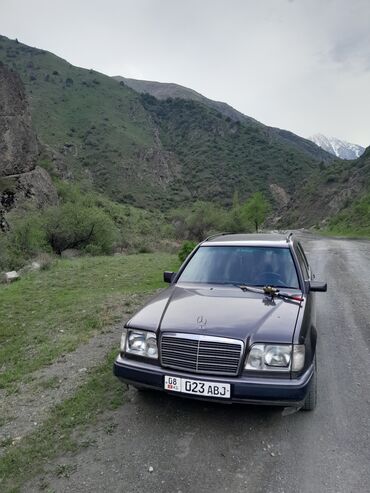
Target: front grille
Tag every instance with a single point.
(201, 354)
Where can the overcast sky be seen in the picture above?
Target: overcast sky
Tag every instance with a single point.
(302, 65)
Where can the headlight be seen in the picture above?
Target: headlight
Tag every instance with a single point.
(139, 342)
(276, 357)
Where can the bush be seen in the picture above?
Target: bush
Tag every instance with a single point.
(4, 254)
(186, 248)
(75, 226)
(201, 220)
(25, 240)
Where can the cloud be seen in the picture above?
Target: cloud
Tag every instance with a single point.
(302, 65)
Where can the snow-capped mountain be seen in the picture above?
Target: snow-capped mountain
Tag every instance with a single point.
(340, 148)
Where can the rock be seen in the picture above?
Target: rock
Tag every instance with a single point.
(279, 194)
(11, 276)
(22, 182)
(32, 187)
(18, 143)
(35, 266)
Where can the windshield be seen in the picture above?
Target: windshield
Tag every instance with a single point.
(250, 265)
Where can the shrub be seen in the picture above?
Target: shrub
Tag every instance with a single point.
(202, 219)
(186, 248)
(4, 254)
(25, 240)
(77, 226)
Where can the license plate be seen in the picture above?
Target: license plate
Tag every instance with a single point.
(197, 387)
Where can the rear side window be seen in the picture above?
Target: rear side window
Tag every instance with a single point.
(252, 265)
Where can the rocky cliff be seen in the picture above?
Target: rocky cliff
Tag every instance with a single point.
(21, 180)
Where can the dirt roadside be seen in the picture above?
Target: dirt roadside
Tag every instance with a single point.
(26, 409)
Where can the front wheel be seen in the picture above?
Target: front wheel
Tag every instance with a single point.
(311, 399)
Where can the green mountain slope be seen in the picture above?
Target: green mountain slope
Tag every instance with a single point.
(337, 197)
(163, 90)
(219, 155)
(97, 127)
(152, 153)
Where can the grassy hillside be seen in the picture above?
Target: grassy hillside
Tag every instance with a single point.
(336, 197)
(137, 150)
(220, 155)
(98, 127)
(354, 216)
(163, 90)
(353, 220)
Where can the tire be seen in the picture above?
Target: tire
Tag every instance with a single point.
(311, 399)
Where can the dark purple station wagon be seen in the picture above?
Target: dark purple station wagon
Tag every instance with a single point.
(236, 324)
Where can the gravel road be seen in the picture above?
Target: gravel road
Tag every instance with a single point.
(160, 443)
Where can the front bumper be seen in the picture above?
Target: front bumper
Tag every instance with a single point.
(269, 391)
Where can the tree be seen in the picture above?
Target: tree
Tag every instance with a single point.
(236, 221)
(203, 218)
(256, 209)
(198, 222)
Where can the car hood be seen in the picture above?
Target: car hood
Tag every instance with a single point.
(220, 311)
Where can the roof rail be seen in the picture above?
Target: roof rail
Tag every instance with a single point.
(216, 234)
(289, 236)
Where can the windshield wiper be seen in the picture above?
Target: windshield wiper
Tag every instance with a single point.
(270, 291)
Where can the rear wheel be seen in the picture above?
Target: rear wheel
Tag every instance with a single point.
(311, 399)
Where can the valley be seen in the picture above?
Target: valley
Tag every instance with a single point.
(106, 182)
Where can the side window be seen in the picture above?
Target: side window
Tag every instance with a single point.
(303, 262)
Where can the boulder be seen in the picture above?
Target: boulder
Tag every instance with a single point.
(22, 182)
(11, 276)
(18, 143)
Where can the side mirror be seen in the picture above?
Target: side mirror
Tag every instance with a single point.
(168, 276)
(318, 286)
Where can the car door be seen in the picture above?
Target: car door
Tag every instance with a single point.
(309, 323)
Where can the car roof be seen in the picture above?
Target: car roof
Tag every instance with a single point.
(258, 239)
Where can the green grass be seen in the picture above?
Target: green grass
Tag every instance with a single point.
(344, 233)
(353, 220)
(60, 432)
(51, 312)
